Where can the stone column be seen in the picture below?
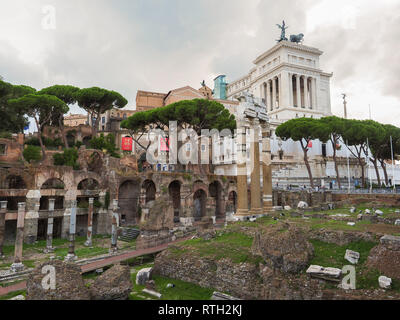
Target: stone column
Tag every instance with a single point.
(50, 222)
(306, 93)
(3, 210)
(291, 90)
(284, 89)
(88, 242)
(19, 241)
(267, 168)
(298, 91)
(314, 93)
(71, 257)
(255, 187)
(114, 228)
(241, 159)
(273, 107)
(268, 96)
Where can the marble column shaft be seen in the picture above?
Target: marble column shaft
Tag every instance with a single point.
(50, 223)
(267, 169)
(268, 96)
(114, 227)
(306, 93)
(90, 223)
(19, 241)
(243, 206)
(273, 94)
(255, 187)
(3, 210)
(298, 91)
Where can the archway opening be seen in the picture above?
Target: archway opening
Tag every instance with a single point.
(86, 141)
(215, 190)
(15, 182)
(149, 189)
(89, 184)
(200, 198)
(175, 196)
(53, 183)
(232, 202)
(128, 200)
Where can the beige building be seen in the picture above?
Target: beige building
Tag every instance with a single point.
(74, 120)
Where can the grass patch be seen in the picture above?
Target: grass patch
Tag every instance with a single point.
(332, 255)
(182, 290)
(13, 294)
(233, 245)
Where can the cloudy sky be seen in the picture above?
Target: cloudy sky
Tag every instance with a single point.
(158, 45)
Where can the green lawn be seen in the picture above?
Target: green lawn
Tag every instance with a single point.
(182, 290)
(332, 255)
(233, 245)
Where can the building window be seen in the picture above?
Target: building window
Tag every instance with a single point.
(188, 147)
(3, 149)
(103, 120)
(203, 148)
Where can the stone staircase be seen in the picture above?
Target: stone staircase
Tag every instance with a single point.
(128, 234)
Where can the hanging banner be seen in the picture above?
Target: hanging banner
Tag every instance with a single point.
(164, 144)
(127, 144)
(309, 144)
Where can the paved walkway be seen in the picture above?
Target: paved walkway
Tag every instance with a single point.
(100, 264)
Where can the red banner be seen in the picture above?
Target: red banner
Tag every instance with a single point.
(127, 144)
(164, 144)
(309, 144)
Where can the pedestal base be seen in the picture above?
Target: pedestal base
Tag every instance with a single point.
(113, 250)
(49, 250)
(17, 267)
(88, 243)
(242, 213)
(70, 257)
(256, 211)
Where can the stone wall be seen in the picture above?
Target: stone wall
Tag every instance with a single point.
(388, 200)
(292, 198)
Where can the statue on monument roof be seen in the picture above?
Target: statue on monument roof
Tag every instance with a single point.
(297, 38)
(283, 31)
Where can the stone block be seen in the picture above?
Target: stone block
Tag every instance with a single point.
(332, 274)
(385, 282)
(352, 256)
(143, 276)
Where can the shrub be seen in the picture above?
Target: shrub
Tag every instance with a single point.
(33, 142)
(5, 135)
(105, 143)
(68, 158)
(32, 154)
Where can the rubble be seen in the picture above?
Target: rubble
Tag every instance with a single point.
(385, 282)
(332, 274)
(352, 256)
(143, 276)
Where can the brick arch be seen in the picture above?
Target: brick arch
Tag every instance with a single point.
(53, 183)
(200, 185)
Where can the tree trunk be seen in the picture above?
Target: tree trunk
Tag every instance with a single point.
(336, 165)
(362, 172)
(383, 165)
(39, 128)
(375, 162)
(95, 126)
(307, 165)
(61, 126)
